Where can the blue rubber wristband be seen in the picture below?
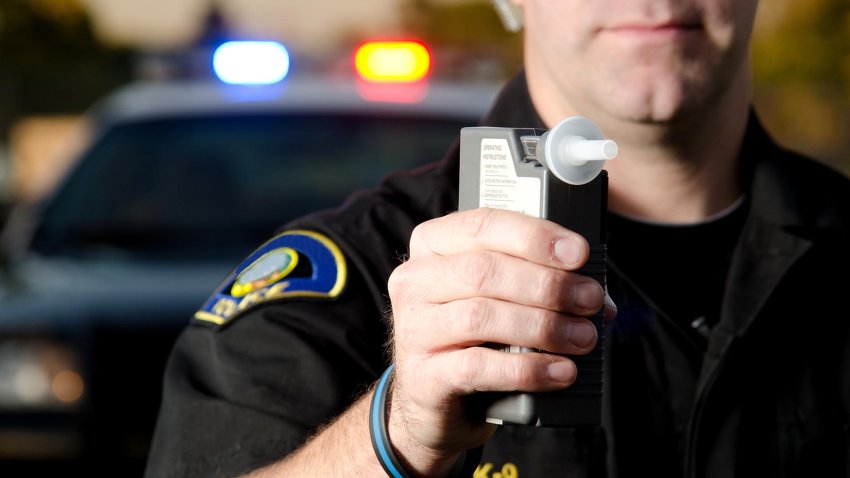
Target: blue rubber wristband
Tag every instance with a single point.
(465, 467)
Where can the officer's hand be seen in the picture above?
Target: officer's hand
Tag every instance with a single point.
(473, 278)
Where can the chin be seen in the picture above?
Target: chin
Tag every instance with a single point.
(656, 102)
(653, 112)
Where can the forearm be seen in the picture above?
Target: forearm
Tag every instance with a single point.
(343, 448)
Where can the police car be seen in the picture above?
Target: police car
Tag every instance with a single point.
(179, 181)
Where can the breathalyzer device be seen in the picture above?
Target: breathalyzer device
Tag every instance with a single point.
(555, 174)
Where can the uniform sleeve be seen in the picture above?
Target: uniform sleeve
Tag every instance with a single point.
(245, 393)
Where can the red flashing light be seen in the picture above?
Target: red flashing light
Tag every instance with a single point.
(393, 61)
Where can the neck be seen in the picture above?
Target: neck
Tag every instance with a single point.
(679, 171)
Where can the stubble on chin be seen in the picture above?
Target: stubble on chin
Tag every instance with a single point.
(653, 87)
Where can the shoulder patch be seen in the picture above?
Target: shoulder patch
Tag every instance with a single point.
(295, 263)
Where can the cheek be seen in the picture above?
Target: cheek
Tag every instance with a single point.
(730, 23)
(560, 24)
(559, 38)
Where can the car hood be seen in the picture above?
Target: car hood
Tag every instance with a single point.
(53, 291)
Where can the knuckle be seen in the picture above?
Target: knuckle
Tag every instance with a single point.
(522, 374)
(552, 286)
(418, 242)
(467, 369)
(398, 280)
(472, 317)
(421, 238)
(477, 269)
(542, 327)
(479, 221)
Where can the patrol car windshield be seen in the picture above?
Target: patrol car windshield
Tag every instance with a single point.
(199, 188)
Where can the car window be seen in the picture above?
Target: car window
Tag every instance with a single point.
(213, 187)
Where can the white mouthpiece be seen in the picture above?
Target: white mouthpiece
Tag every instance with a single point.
(575, 150)
(580, 150)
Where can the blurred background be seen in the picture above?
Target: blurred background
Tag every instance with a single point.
(58, 56)
(79, 382)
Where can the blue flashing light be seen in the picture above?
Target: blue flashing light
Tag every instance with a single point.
(251, 62)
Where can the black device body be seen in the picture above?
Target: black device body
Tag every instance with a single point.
(486, 180)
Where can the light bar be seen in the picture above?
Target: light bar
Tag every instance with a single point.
(392, 61)
(251, 62)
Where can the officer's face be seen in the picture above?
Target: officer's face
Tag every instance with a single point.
(638, 60)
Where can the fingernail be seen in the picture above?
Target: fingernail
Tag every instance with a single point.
(581, 334)
(587, 295)
(568, 250)
(564, 372)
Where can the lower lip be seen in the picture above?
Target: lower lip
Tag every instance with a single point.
(654, 34)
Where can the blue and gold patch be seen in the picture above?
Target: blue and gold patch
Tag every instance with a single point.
(296, 263)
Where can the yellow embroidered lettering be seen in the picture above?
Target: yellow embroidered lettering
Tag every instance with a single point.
(483, 470)
(277, 289)
(252, 298)
(509, 470)
(224, 307)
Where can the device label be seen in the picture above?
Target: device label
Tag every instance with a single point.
(500, 187)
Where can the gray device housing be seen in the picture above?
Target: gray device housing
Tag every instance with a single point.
(533, 189)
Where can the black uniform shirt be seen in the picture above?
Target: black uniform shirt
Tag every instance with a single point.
(298, 332)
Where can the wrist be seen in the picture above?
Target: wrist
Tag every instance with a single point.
(402, 456)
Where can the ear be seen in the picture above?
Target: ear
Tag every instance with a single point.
(511, 14)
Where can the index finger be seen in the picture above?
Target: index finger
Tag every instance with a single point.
(531, 238)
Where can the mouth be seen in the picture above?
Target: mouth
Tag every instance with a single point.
(662, 31)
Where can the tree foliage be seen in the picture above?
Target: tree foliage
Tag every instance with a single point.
(50, 61)
(801, 69)
(472, 29)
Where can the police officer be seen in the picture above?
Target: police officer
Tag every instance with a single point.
(730, 351)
